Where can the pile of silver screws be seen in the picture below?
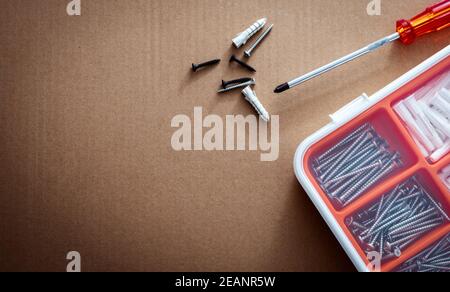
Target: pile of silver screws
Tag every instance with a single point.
(354, 165)
(397, 220)
(434, 259)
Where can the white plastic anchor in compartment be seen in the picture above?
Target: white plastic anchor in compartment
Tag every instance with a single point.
(338, 120)
(426, 114)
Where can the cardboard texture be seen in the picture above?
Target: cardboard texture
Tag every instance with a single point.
(86, 104)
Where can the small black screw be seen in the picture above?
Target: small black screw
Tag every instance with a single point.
(242, 63)
(195, 67)
(236, 81)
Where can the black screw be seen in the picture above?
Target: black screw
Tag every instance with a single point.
(236, 81)
(242, 63)
(195, 67)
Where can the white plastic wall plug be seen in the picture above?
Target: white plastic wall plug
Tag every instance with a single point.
(441, 152)
(437, 120)
(242, 38)
(251, 97)
(414, 128)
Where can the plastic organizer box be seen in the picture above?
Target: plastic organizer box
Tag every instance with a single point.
(379, 173)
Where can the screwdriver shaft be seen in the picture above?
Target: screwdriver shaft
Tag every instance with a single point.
(345, 59)
(338, 62)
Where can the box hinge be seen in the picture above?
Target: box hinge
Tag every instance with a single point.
(351, 109)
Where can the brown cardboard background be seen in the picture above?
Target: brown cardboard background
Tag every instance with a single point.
(85, 108)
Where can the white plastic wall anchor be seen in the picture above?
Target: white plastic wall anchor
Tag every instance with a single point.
(251, 97)
(441, 152)
(412, 125)
(443, 104)
(242, 38)
(445, 93)
(440, 104)
(421, 147)
(436, 119)
(425, 126)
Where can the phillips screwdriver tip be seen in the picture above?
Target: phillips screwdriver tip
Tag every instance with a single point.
(281, 88)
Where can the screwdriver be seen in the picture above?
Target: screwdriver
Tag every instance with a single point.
(434, 18)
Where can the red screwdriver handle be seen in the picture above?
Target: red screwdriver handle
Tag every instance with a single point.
(434, 18)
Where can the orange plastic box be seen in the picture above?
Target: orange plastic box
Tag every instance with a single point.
(374, 210)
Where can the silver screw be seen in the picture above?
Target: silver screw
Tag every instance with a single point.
(327, 162)
(343, 187)
(442, 262)
(348, 153)
(417, 231)
(412, 221)
(406, 244)
(409, 196)
(435, 256)
(436, 267)
(443, 256)
(438, 207)
(248, 53)
(417, 206)
(416, 225)
(245, 84)
(350, 222)
(367, 157)
(432, 250)
(389, 206)
(375, 238)
(383, 225)
(352, 136)
(389, 221)
(409, 237)
(378, 164)
(362, 181)
(347, 184)
(390, 166)
(381, 246)
(380, 206)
